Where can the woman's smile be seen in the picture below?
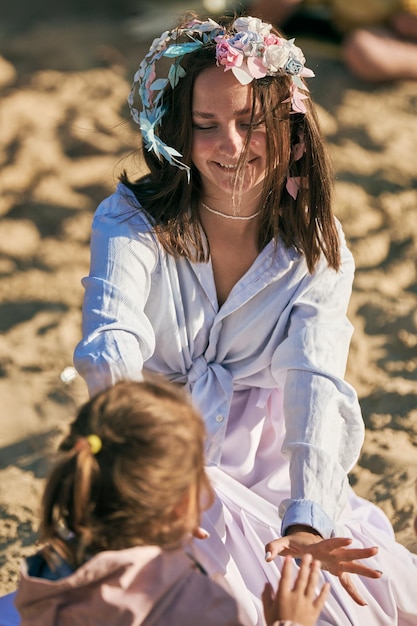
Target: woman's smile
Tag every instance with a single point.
(220, 127)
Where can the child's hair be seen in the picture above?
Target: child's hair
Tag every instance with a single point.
(145, 484)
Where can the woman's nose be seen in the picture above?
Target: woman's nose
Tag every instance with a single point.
(233, 141)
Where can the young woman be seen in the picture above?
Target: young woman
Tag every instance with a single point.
(225, 270)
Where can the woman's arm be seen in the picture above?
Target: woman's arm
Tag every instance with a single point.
(117, 335)
(324, 425)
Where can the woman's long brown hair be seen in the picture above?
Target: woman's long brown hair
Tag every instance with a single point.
(305, 223)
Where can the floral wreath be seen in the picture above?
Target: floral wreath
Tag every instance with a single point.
(252, 52)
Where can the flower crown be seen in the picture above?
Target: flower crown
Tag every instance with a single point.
(250, 52)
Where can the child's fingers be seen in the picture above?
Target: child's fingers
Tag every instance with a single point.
(313, 579)
(267, 595)
(286, 575)
(320, 601)
(301, 582)
(268, 603)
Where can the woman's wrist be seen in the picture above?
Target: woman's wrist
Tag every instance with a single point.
(301, 528)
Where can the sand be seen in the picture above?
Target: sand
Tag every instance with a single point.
(63, 140)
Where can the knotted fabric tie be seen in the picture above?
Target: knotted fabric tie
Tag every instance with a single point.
(211, 388)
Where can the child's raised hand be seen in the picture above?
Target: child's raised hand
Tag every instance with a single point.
(296, 600)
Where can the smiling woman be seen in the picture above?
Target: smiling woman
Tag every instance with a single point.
(225, 270)
(219, 137)
(231, 169)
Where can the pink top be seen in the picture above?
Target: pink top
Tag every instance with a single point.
(140, 585)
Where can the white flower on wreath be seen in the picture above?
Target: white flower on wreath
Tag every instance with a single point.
(275, 57)
(252, 24)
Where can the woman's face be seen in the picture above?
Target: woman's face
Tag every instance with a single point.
(221, 113)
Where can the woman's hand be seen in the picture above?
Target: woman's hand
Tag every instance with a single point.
(334, 554)
(296, 601)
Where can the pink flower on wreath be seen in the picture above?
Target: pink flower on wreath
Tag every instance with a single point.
(273, 40)
(227, 55)
(256, 68)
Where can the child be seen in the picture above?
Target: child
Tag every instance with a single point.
(117, 510)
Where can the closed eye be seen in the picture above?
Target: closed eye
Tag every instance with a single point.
(254, 124)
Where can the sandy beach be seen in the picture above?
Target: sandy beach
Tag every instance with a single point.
(65, 134)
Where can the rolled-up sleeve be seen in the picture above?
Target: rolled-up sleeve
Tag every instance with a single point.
(117, 335)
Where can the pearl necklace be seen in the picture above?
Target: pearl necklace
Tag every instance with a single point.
(242, 218)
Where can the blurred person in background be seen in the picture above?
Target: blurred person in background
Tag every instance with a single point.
(378, 37)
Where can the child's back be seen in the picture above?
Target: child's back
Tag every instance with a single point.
(136, 586)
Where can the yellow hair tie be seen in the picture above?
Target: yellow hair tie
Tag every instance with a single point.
(95, 443)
